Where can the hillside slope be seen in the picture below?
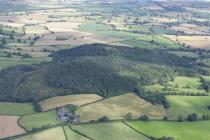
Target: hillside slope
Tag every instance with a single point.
(96, 68)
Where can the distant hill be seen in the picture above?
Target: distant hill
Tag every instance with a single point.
(96, 68)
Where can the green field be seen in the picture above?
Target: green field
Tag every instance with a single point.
(180, 85)
(117, 107)
(183, 53)
(140, 44)
(162, 30)
(50, 134)
(93, 27)
(7, 108)
(144, 29)
(71, 135)
(178, 130)
(119, 34)
(185, 105)
(39, 120)
(149, 42)
(13, 61)
(183, 83)
(109, 131)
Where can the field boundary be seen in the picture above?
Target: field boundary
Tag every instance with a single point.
(135, 129)
(80, 133)
(64, 131)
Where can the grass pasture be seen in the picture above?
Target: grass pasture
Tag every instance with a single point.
(36, 30)
(177, 130)
(92, 27)
(14, 109)
(162, 30)
(144, 29)
(9, 126)
(184, 81)
(60, 101)
(71, 135)
(33, 54)
(109, 131)
(201, 41)
(185, 105)
(181, 85)
(184, 54)
(50, 134)
(187, 30)
(6, 62)
(39, 120)
(148, 41)
(61, 26)
(117, 107)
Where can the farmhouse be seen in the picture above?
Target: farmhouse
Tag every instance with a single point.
(65, 116)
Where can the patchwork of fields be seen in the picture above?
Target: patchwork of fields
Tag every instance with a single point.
(144, 64)
(201, 41)
(109, 131)
(102, 131)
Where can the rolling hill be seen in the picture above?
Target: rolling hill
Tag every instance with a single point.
(95, 68)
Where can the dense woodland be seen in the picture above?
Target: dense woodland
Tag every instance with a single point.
(96, 68)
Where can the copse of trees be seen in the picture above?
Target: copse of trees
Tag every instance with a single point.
(205, 83)
(36, 105)
(205, 117)
(156, 98)
(71, 108)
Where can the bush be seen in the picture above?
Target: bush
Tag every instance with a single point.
(144, 118)
(128, 116)
(9, 55)
(180, 119)
(165, 118)
(71, 108)
(192, 117)
(103, 119)
(61, 38)
(162, 138)
(205, 117)
(36, 105)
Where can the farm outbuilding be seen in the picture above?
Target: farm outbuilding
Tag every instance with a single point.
(65, 116)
